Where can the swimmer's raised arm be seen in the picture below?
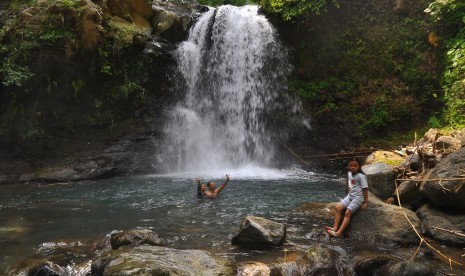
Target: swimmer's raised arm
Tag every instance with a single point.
(217, 191)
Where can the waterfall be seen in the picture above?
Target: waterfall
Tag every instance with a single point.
(231, 73)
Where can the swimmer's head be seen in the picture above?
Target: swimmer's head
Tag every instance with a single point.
(211, 185)
(203, 187)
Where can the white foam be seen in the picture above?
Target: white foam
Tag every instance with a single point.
(250, 171)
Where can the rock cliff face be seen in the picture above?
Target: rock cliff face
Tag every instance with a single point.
(85, 85)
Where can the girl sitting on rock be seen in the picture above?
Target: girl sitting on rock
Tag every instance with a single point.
(356, 198)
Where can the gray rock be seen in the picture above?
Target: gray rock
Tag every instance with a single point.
(371, 264)
(171, 25)
(317, 260)
(259, 232)
(380, 222)
(37, 267)
(155, 260)
(253, 269)
(412, 162)
(447, 218)
(451, 193)
(380, 178)
(430, 137)
(409, 193)
(136, 237)
(447, 143)
(163, 20)
(411, 268)
(383, 222)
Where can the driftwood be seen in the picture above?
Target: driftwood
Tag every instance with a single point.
(455, 232)
(431, 179)
(338, 154)
(293, 153)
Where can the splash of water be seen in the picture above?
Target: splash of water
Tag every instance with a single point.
(232, 71)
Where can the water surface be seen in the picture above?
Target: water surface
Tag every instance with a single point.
(32, 215)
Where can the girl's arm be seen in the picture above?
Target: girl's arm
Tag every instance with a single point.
(199, 192)
(365, 198)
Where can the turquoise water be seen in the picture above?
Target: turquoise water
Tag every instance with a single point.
(32, 215)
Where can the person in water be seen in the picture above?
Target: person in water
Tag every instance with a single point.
(201, 188)
(212, 192)
(356, 198)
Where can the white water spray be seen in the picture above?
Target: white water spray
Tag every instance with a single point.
(232, 71)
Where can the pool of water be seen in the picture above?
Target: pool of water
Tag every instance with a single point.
(32, 214)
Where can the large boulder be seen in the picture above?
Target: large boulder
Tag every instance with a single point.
(446, 193)
(171, 25)
(452, 219)
(380, 222)
(259, 232)
(383, 222)
(136, 237)
(155, 260)
(380, 178)
(317, 260)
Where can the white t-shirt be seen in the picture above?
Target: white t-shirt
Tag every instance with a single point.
(357, 183)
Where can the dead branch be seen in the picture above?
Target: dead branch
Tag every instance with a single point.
(294, 154)
(337, 154)
(455, 232)
(432, 179)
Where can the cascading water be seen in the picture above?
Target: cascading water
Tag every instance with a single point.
(232, 71)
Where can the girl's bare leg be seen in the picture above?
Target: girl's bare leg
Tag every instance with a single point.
(345, 223)
(338, 216)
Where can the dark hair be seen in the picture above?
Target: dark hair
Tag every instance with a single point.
(359, 164)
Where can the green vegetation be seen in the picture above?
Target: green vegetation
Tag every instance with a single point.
(449, 17)
(52, 85)
(296, 9)
(365, 64)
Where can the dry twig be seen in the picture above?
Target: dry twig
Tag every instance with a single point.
(455, 232)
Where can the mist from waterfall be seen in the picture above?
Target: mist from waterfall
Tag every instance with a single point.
(231, 72)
